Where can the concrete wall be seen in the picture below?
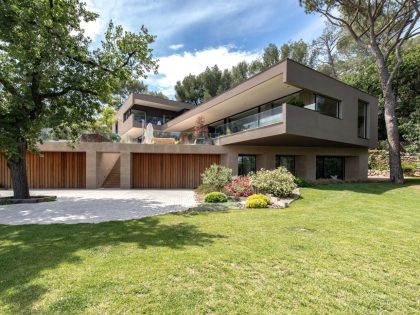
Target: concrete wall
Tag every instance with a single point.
(305, 157)
(305, 122)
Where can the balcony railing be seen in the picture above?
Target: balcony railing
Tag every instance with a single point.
(154, 120)
(265, 118)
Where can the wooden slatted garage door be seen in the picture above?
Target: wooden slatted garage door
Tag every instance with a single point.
(170, 170)
(50, 170)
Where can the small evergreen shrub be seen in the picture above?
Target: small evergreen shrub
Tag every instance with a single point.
(300, 182)
(215, 197)
(256, 203)
(217, 177)
(279, 182)
(407, 167)
(260, 196)
(240, 187)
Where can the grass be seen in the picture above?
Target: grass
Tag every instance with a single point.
(344, 248)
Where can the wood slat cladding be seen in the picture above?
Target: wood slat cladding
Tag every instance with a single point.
(50, 170)
(170, 170)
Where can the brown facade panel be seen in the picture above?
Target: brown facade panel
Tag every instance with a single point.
(170, 170)
(50, 170)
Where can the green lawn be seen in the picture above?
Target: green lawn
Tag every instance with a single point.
(346, 248)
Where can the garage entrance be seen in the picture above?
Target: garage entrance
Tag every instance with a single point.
(170, 170)
(50, 170)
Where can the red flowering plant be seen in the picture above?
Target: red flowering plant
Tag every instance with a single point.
(240, 187)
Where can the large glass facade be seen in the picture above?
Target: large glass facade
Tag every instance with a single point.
(331, 167)
(246, 164)
(362, 119)
(287, 161)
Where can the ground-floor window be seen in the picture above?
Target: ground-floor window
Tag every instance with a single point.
(331, 167)
(287, 161)
(246, 164)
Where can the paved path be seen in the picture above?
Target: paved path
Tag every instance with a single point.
(94, 206)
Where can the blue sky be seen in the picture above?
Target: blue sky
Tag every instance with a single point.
(194, 34)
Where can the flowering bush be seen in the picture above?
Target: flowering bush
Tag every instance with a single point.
(216, 177)
(240, 187)
(279, 182)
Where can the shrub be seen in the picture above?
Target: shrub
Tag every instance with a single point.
(278, 182)
(300, 182)
(260, 196)
(216, 177)
(407, 167)
(215, 197)
(256, 203)
(240, 187)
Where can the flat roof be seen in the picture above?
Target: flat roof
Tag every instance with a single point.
(155, 102)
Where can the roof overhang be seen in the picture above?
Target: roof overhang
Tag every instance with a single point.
(156, 102)
(262, 88)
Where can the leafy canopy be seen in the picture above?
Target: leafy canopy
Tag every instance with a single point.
(49, 74)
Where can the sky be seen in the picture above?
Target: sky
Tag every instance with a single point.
(193, 34)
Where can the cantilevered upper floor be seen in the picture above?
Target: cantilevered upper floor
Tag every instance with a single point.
(141, 109)
(289, 104)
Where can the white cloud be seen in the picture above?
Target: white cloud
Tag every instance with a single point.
(176, 46)
(175, 67)
(96, 27)
(93, 28)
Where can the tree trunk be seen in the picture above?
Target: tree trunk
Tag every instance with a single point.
(395, 170)
(18, 173)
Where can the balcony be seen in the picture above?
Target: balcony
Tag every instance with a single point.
(262, 119)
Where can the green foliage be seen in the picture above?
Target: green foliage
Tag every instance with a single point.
(300, 182)
(298, 51)
(408, 167)
(260, 196)
(278, 182)
(105, 120)
(217, 177)
(215, 197)
(256, 203)
(196, 89)
(50, 76)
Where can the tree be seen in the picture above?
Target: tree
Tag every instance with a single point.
(407, 92)
(271, 55)
(211, 80)
(105, 120)
(381, 27)
(239, 73)
(50, 77)
(190, 90)
(298, 51)
(325, 48)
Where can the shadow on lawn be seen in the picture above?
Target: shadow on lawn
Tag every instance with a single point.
(27, 250)
(376, 188)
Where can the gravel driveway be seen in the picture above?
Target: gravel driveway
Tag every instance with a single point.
(94, 206)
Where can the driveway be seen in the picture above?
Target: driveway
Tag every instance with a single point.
(94, 206)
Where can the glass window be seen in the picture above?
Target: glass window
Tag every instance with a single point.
(327, 106)
(331, 167)
(362, 119)
(287, 161)
(246, 164)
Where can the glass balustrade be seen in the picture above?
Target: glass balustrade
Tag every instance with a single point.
(265, 118)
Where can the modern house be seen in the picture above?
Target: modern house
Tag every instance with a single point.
(289, 115)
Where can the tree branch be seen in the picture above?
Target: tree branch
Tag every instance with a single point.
(64, 91)
(8, 86)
